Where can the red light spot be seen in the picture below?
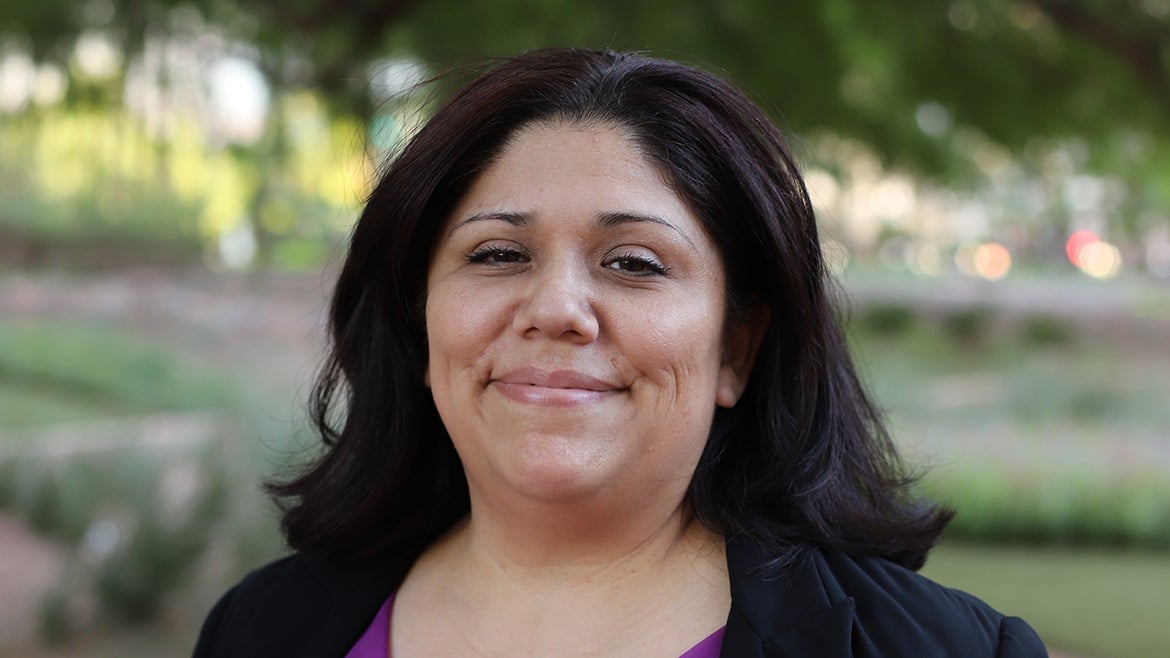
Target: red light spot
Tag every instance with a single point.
(1076, 242)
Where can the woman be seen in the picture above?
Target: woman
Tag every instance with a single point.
(591, 398)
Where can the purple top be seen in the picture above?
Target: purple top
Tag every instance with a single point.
(375, 642)
(708, 647)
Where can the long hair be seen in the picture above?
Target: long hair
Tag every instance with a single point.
(802, 460)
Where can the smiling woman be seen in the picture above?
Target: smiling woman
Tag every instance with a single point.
(595, 401)
(574, 277)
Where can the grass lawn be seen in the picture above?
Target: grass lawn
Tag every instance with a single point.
(1091, 602)
(53, 373)
(22, 405)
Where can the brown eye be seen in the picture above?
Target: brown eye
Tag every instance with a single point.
(636, 265)
(497, 256)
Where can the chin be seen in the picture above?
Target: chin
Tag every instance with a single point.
(559, 470)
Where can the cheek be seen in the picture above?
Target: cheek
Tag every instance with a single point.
(460, 326)
(681, 350)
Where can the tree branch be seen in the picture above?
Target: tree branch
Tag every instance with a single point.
(1140, 49)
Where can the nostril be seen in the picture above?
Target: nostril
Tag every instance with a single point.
(558, 304)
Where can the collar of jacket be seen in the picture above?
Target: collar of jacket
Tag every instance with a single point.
(795, 614)
(348, 595)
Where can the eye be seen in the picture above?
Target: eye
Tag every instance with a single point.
(636, 265)
(497, 255)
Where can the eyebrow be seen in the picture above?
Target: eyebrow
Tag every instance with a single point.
(513, 218)
(604, 219)
(614, 219)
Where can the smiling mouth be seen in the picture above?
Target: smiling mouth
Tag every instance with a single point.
(557, 388)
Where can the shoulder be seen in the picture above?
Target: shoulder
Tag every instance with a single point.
(835, 604)
(896, 607)
(303, 604)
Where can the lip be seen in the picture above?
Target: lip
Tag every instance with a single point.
(559, 388)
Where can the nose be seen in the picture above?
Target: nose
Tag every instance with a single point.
(557, 305)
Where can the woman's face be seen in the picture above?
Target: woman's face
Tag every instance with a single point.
(575, 318)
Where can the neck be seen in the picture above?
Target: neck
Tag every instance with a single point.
(576, 581)
(582, 536)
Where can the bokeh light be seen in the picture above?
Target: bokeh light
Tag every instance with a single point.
(823, 189)
(95, 57)
(965, 258)
(892, 253)
(992, 261)
(932, 118)
(50, 86)
(1099, 260)
(836, 256)
(923, 258)
(239, 98)
(390, 79)
(1076, 242)
(1092, 255)
(17, 81)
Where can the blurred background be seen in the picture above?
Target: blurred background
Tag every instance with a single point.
(177, 180)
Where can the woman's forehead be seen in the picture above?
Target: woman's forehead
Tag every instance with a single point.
(563, 165)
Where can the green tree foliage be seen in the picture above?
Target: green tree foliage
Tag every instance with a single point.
(1013, 70)
(1017, 72)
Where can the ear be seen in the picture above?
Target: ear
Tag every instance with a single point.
(741, 342)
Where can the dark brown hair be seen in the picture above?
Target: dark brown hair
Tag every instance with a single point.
(803, 459)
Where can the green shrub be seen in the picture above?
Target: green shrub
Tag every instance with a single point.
(103, 364)
(969, 327)
(160, 556)
(101, 215)
(54, 620)
(60, 500)
(54, 509)
(1095, 403)
(1080, 510)
(161, 545)
(886, 319)
(299, 254)
(1037, 399)
(1045, 331)
(9, 490)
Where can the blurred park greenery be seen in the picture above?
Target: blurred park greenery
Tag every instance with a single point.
(1089, 602)
(957, 145)
(50, 373)
(1044, 509)
(235, 127)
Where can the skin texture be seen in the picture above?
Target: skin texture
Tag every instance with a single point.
(563, 360)
(577, 351)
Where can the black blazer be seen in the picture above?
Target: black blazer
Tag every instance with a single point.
(834, 605)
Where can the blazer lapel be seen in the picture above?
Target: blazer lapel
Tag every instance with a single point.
(826, 634)
(352, 592)
(791, 615)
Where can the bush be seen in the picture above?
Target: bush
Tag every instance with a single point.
(994, 507)
(162, 539)
(969, 327)
(105, 365)
(1044, 331)
(58, 501)
(45, 510)
(886, 319)
(160, 555)
(9, 491)
(54, 620)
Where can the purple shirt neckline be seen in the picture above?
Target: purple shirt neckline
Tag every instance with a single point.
(375, 642)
